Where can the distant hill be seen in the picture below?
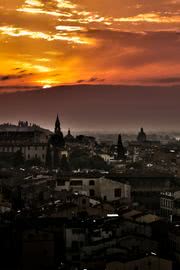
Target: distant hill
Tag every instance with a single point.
(99, 107)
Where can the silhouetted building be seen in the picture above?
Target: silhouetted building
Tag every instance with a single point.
(69, 137)
(120, 149)
(30, 139)
(141, 136)
(55, 145)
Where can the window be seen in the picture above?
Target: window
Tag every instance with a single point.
(35, 155)
(91, 183)
(83, 201)
(76, 183)
(29, 147)
(117, 192)
(91, 193)
(60, 182)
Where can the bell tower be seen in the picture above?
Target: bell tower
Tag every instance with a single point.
(57, 129)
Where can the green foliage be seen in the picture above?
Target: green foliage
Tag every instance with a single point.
(8, 160)
(98, 163)
(81, 159)
(33, 162)
(64, 164)
(18, 159)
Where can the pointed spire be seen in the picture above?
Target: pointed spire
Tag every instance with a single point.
(120, 148)
(119, 139)
(57, 129)
(57, 119)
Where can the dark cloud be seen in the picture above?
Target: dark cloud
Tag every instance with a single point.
(16, 68)
(11, 87)
(18, 88)
(168, 80)
(92, 79)
(80, 81)
(5, 78)
(15, 76)
(128, 49)
(22, 71)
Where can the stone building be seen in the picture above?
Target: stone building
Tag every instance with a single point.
(170, 204)
(30, 139)
(102, 188)
(145, 262)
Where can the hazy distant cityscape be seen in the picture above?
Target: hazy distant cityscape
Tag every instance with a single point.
(110, 201)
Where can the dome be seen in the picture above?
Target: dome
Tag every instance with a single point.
(69, 137)
(141, 136)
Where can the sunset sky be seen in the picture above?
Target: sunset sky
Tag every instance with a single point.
(54, 42)
(70, 44)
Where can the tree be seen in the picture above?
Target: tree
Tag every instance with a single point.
(33, 162)
(18, 159)
(81, 159)
(98, 163)
(64, 164)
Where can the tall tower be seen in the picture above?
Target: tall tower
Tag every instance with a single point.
(141, 138)
(57, 129)
(55, 146)
(120, 148)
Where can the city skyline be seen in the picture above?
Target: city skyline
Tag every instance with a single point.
(96, 108)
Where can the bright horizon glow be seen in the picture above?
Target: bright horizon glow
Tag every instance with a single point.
(47, 86)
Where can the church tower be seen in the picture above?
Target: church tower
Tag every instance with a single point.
(57, 129)
(120, 149)
(55, 145)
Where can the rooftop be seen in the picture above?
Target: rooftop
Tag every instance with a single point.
(21, 127)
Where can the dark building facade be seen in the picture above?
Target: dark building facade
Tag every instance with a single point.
(120, 150)
(55, 145)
